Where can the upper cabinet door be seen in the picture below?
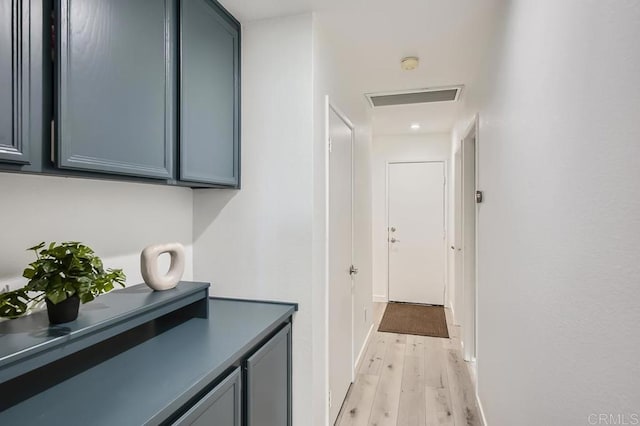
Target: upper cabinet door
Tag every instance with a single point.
(14, 81)
(116, 81)
(210, 94)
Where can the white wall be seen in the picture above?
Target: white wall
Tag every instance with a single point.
(116, 219)
(559, 136)
(390, 148)
(332, 78)
(257, 242)
(268, 241)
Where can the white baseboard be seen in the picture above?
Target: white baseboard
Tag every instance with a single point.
(380, 298)
(453, 315)
(472, 368)
(484, 419)
(363, 349)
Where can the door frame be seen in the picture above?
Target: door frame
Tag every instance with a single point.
(470, 310)
(328, 108)
(446, 224)
(457, 307)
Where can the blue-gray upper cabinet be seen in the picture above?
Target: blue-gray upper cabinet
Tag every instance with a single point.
(209, 94)
(14, 81)
(116, 80)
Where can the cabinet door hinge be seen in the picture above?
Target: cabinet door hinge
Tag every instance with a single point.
(330, 145)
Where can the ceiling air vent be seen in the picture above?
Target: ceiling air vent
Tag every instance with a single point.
(422, 96)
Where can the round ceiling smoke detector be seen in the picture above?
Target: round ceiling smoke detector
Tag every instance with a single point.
(409, 63)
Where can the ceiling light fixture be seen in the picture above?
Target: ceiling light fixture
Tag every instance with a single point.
(415, 126)
(409, 63)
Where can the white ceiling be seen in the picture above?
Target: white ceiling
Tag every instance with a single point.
(249, 10)
(449, 36)
(432, 118)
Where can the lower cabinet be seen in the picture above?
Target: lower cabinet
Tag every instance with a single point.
(268, 384)
(221, 406)
(233, 368)
(267, 390)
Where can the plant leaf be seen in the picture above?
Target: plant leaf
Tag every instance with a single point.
(14, 303)
(29, 273)
(57, 296)
(38, 247)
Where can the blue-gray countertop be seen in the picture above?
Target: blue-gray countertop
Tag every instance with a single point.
(148, 382)
(31, 342)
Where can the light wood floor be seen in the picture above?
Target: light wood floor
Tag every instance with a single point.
(410, 380)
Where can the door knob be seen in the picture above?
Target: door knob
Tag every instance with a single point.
(393, 240)
(393, 229)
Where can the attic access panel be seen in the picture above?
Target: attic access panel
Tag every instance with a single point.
(444, 94)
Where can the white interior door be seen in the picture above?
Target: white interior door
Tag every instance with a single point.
(340, 261)
(469, 246)
(416, 232)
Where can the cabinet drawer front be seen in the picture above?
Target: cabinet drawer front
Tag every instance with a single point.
(14, 81)
(116, 81)
(209, 94)
(269, 382)
(220, 407)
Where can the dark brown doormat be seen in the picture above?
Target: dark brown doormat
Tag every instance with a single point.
(408, 318)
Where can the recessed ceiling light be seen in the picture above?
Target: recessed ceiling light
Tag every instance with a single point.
(409, 63)
(415, 126)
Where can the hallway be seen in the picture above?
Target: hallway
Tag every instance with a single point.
(411, 380)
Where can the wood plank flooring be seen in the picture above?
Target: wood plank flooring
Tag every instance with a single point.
(407, 380)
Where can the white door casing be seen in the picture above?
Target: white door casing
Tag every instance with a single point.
(340, 258)
(458, 305)
(416, 232)
(469, 244)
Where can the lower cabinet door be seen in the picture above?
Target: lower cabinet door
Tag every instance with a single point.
(220, 407)
(269, 382)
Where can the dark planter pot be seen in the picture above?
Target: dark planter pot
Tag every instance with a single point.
(65, 311)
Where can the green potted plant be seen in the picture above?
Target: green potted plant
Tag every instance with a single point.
(63, 275)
